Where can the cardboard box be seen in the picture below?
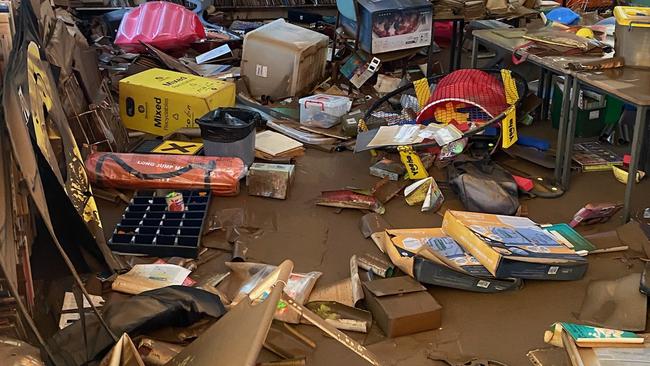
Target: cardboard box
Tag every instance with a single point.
(269, 180)
(391, 25)
(161, 101)
(402, 306)
(430, 256)
(511, 246)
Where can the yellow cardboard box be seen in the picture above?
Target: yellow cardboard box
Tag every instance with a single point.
(511, 246)
(161, 101)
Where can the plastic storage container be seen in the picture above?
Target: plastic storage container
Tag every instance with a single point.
(283, 60)
(230, 132)
(633, 35)
(323, 110)
(148, 227)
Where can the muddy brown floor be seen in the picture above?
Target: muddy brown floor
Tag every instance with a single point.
(498, 326)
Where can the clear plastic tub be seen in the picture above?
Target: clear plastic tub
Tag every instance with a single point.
(323, 110)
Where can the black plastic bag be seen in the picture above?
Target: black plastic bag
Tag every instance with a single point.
(229, 124)
(484, 187)
(167, 306)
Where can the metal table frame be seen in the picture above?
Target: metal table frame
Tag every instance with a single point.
(637, 139)
(569, 113)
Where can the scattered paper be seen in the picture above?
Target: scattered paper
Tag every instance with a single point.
(397, 135)
(144, 277)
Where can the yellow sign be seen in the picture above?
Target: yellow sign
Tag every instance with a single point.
(161, 101)
(178, 147)
(414, 167)
(509, 122)
(509, 128)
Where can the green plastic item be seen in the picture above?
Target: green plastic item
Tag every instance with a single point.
(590, 123)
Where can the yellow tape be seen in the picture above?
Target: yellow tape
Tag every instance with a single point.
(414, 167)
(422, 91)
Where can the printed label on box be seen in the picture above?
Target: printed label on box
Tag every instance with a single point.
(261, 71)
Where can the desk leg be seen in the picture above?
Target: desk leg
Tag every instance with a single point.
(546, 98)
(452, 46)
(539, 113)
(430, 58)
(474, 52)
(570, 133)
(637, 140)
(561, 133)
(461, 37)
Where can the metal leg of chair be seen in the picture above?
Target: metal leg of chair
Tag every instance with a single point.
(561, 133)
(430, 53)
(336, 34)
(474, 52)
(637, 140)
(540, 92)
(548, 87)
(570, 133)
(452, 46)
(461, 36)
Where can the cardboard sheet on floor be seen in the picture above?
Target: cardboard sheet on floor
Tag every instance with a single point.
(339, 291)
(628, 236)
(615, 304)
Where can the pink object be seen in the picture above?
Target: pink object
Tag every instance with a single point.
(627, 159)
(442, 32)
(524, 184)
(164, 25)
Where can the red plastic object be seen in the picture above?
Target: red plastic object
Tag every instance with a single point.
(164, 25)
(627, 159)
(139, 171)
(524, 184)
(442, 32)
(468, 93)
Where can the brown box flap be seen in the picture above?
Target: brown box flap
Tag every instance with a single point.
(394, 286)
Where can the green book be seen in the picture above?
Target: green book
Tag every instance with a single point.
(571, 238)
(588, 336)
